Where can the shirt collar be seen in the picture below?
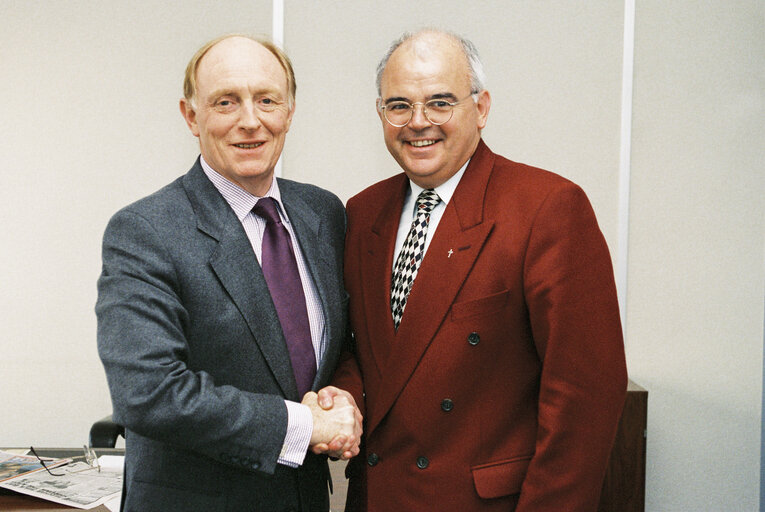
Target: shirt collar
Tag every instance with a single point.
(445, 190)
(241, 201)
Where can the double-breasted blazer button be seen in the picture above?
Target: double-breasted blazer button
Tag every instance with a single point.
(422, 462)
(373, 459)
(447, 405)
(474, 338)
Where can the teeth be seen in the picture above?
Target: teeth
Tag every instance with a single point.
(421, 143)
(248, 146)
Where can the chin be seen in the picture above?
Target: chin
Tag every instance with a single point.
(252, 171)
(420, 173)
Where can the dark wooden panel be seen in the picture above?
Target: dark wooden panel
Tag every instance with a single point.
(624, 485)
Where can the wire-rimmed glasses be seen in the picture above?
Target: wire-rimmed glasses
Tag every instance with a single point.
(89, 457)
(437, 111)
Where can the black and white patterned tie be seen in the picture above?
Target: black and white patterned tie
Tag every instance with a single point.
(411, 254)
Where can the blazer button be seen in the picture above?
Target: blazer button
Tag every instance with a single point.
(422, 462)
(373, 459)
(474, 338)
(447, 405)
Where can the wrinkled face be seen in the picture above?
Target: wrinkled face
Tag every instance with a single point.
(426, 68)
(241, 113)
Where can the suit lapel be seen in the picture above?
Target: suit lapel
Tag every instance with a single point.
(240, 274)
(456, 244)
(378, 249)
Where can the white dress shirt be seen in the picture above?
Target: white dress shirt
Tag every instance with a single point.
(445, 191)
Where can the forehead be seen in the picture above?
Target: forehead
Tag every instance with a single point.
(427, 65)
(240, 62)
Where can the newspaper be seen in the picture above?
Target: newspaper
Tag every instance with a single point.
(79, 485)
(14, 464)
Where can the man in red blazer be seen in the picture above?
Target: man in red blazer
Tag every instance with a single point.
(491, 376)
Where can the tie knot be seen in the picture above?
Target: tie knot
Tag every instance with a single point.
(266, 208)
(427, 200)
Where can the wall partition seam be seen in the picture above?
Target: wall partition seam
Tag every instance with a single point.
(762, 428)
(277, 36)
(277, 23)
(625, 158)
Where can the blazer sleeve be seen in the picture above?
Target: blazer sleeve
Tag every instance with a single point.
(142, 324)
(348, 377)
(348, 374)
(574, 314)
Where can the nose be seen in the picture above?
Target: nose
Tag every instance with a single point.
(418, 120)
(248, 116)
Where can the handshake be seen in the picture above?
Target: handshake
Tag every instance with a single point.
(337, 422)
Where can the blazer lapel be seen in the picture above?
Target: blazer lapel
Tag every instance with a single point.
(453, 250)
(378, 248)
(240, 274)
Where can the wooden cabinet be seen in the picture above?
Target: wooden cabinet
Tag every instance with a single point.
(624, 485)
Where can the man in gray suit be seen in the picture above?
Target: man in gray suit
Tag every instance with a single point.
(221, 305)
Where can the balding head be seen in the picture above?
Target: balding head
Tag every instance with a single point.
(425, 39)
(190, 77)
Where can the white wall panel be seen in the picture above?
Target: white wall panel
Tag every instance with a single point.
(554, 72)
(89, 98)
(696, 250)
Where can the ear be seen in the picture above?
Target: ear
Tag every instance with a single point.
(483, 105)
(378, 104)
(190, 115)
(289, 116)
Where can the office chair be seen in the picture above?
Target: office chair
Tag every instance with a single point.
(104, 433)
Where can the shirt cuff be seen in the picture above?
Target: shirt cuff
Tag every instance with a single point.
(299, 430)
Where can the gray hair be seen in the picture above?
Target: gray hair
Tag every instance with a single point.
(477, 75)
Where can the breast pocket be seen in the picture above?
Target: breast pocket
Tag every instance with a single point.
(485, 306)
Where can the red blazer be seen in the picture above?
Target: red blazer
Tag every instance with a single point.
(503, 386)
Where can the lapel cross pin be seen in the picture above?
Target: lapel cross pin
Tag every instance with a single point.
(449, 254)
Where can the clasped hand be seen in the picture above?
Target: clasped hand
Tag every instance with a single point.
(337, 422)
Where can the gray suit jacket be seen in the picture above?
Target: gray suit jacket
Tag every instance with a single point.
(194, 354)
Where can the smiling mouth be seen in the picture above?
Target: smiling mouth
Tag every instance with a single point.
(249, 146)
(421, 143)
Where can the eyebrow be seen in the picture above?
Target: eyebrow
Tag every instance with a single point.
(218, 93)
(437, 96)
(226, 91)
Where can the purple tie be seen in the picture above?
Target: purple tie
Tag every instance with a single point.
(283, 279)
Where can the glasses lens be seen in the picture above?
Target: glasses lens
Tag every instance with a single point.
(438, 111)
(398, 113)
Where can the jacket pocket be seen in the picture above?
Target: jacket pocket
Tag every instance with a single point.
(501, 478)
(483, 306)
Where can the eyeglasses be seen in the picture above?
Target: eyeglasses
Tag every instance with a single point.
(437, 111)
(89, 458)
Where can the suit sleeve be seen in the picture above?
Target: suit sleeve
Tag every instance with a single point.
(574, 316)
(142, 343)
